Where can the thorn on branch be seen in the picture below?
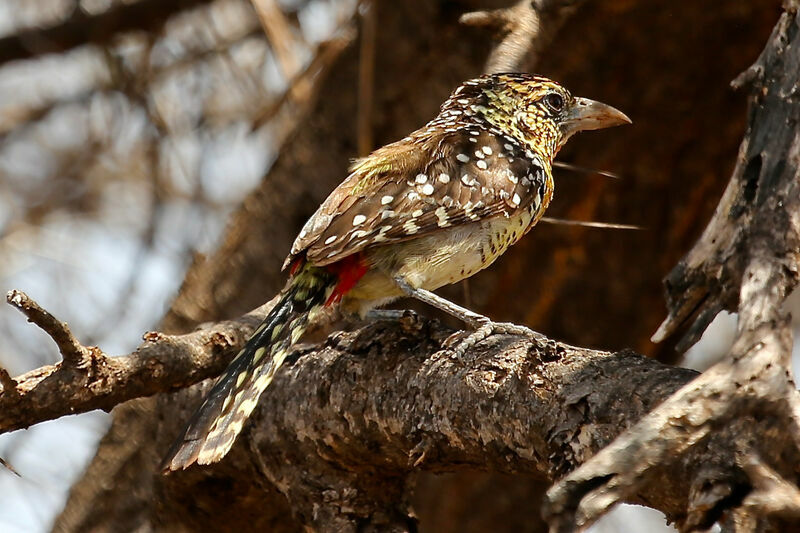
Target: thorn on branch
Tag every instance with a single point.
(9, 384)
(74, 354)
(10, 468)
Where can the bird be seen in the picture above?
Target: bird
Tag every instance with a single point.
(426, 211)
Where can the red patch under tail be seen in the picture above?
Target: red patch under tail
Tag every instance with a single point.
(349, 270)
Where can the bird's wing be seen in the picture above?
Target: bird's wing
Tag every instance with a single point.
(469, 175)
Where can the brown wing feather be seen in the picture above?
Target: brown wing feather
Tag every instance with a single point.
(471, 174)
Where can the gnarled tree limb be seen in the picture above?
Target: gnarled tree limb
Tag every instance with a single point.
(748, 260)
(89, 379)
(385, 401)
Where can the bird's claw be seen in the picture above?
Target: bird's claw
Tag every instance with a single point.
(486, 328)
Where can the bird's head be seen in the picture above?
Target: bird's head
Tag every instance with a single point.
(535, 111)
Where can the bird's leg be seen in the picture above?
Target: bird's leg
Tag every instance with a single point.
(483, 325)
(389, 314)
(384, 314)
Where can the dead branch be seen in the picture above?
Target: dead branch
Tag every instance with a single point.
(393, 397)
(512, 404)
(71, 350)
(747, 260)
(89, 379)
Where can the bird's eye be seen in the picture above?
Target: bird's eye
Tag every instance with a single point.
(554, 101)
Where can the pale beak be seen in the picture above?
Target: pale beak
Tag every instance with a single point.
(590, 115)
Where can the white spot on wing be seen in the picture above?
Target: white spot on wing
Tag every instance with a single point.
(330, 239)
(441, 214)
(427, 189)
(421, 178)
(410, 227)
(463, 158)
(387, 199)
(359, 219)
(444, 177)
(482, 164)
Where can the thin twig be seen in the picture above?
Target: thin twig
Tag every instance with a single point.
(279, 35)
(301, 87)
(72, 351)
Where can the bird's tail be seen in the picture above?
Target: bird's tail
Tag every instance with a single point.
(212, 430)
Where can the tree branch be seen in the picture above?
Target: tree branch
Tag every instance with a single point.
(747, 260)
(513, 405)
(527, 28)
(387, 396)
(71, 350)
(89, 379)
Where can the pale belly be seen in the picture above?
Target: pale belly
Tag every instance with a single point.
(435, 260)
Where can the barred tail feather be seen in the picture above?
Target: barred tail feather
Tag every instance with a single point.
(212, 430)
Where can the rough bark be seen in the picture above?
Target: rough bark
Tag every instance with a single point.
(351, 423)
(599, 290)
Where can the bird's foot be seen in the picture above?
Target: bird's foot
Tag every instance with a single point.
(484, 329)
